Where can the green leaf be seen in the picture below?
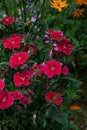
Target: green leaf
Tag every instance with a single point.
(73, 127)
(60, 117)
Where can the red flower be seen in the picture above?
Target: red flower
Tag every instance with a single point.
(31, 48)
(6, 100)
(64, 47)
(18, 59)
(54, 98)
(16, 95)
(36, 70)
(56, 35)
(65, 70)
(52, 68)
(13, 42)
(2, 84)
(7, 20)
(22, 79)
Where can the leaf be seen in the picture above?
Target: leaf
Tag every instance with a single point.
(73, 127)
(77, 82)
(4, 63)
(60, 117)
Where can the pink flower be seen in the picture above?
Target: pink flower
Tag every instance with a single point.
(53, 97)
(18, 59)
(2, 84)
(13, 42)
(33, 49)
(65, 70)
(36, 70)
(30, 92)
(26, 100)
(22, 79)
(6, 100)
(52, 68)
(16, 95)
(7, 20)
(64, 47)
(56, 35)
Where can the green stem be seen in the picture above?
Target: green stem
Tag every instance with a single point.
(22, 16)
(15, 13)
(24, 11)
(15, 8)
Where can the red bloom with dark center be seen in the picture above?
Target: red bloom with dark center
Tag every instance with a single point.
(33, 49)
(65, 47)
(7, 20)
(22, 79)
(65, 70)
(13, 42)
(18, 59)
(16, 95)
(53, 97)
(2, 84)
(6, 100)
(52, 68)
(56, 35)
(36, 70)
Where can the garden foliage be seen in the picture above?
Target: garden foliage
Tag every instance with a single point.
(42, 53)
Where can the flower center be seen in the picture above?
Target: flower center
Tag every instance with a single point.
(7, 20)
(55, 98)
(19, 58)
(64, 46)
(12, 42)
(52, 68)
(22, 78)
(58, 3)
(4, 99)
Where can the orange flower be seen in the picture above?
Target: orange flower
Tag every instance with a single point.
(29, 22)
(74, 107)
(80, 2)
(58, 4)
(78, 13)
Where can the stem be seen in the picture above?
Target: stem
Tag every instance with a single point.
(22, 16)
(15, 13)
(24, 11)
(15, 8)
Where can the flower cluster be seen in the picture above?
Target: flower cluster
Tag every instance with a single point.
(23, 76)
(79, 12)
(62, 44)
